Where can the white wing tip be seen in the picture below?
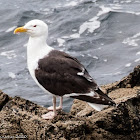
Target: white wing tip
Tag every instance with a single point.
(97, 107)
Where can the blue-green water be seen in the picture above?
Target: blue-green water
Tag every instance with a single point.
(103, 34)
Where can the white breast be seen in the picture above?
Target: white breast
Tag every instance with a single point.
(35, 52)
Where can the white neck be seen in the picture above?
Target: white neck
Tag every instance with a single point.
(36, 49)
(35, 45)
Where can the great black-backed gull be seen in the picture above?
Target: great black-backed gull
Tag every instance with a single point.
(58, 73)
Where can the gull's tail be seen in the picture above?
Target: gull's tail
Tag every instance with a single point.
(96, 99)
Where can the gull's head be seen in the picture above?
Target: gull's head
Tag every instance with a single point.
(35, 28)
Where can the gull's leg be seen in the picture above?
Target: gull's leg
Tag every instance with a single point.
(54, 105)
(59, 107)
(51, 114)
(61, 103)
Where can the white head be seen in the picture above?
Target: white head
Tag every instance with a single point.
(35, 28)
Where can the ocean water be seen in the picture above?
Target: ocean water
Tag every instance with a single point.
(103, 34)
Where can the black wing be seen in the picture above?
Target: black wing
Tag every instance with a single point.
(61, 74)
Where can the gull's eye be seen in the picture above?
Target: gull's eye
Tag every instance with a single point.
(34, 25)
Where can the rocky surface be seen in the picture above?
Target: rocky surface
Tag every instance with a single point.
(21, 119)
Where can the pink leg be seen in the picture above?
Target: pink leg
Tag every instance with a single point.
(61, 103)
(51, 114)
(58, 107)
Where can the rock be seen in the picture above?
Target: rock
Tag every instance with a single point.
(130, 81)
(133, 79)
(3, 99)
(121, 122)
(21, 119)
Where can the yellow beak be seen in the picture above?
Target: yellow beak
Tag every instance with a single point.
(20, 30)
